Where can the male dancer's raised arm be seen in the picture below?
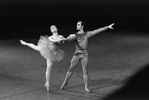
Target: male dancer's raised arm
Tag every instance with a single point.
(94, 32)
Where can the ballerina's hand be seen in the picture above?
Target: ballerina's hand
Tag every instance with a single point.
(23, 42)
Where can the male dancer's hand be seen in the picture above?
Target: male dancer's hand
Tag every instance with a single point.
(64, 39)
(60, 40)
(110, 26)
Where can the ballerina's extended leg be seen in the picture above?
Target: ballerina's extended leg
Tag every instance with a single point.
(31, 45)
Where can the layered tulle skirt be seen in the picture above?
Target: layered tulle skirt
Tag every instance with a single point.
(49, 50)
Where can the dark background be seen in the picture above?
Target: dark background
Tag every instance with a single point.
(33, 17)
(115, 55)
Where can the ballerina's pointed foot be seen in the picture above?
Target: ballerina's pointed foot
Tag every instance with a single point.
(63, 85)
(23, 42)
(88, 90)
(47, 87)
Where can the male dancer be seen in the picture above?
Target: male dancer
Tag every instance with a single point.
(81, 54)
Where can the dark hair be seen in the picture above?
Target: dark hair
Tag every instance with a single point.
(82, 22)
(53, 25)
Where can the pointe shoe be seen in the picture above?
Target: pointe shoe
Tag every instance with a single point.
(63, 85)
(47, 86)
(23, 42)
(88, 90)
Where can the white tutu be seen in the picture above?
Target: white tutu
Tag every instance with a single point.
(49, 50)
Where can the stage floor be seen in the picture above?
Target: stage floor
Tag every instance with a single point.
(113, 58)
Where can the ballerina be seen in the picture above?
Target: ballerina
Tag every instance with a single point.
(49, 50)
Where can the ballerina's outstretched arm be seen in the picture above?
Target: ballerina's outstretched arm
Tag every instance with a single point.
(59, 40)
(31, 45)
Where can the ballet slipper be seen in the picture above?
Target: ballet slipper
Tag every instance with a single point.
(23, 42)
(47, 86)
(88, 90)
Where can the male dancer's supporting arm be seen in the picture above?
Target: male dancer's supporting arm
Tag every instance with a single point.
(94, 32)
(71, 37)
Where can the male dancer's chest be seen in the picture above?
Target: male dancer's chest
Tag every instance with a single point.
(81, 41)
(81, 38)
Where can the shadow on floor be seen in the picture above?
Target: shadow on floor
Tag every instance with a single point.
(137, 87)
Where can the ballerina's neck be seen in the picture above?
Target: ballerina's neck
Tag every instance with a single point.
(55, 34)
(55, 37)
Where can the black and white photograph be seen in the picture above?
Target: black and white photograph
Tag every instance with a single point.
(74, 50)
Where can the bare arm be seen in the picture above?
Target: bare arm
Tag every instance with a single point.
(71, 37)
(94, 32)
(61, 39)
(31, 45)
(58, 40)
